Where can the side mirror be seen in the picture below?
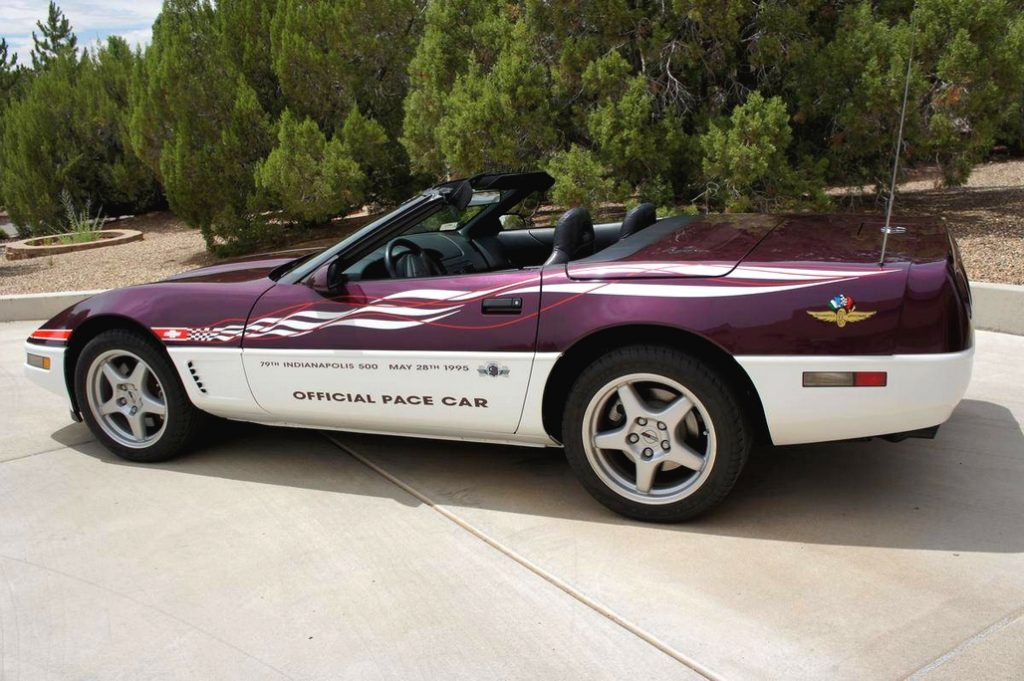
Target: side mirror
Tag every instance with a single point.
(329, 279)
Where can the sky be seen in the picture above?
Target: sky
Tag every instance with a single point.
(91, 21)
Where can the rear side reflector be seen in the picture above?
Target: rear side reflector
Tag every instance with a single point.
(38, 361)
(845, 379)
(870, 379)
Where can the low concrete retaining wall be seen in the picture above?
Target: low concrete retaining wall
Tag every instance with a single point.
(38, 306)
(997, 307)
(40, 246)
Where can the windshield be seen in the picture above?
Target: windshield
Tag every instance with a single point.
(450, 218)
(300, 268)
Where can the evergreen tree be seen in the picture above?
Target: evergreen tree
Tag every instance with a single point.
(68, 133)
(199, 125)
(10, 74)
(581, 179)
(502, 117)
(746, 157)
(56, 39)
(455, 33)
(329, 56)
(10, 81)
(245, 32)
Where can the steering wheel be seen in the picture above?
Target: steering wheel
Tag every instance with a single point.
(415, 263)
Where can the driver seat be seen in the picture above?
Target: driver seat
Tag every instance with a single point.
(574, 237)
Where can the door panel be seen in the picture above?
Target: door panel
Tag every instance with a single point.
(437, 355)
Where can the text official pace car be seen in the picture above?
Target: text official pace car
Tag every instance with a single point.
(656, 351)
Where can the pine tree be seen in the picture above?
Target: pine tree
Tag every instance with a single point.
(199, 125)
(245, 32)
(58, 40)
(11, 76)
(10, 73)
(502, 117)
(68, 133)
(329, 56)
(455, 33)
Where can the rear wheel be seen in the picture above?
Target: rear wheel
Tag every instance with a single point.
(654, 434)
(131, 397)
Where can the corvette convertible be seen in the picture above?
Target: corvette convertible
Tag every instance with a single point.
(657, 352)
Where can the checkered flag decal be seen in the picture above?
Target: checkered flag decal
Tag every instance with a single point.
(212, 334)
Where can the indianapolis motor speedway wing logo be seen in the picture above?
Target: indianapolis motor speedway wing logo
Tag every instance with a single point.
(842, 311)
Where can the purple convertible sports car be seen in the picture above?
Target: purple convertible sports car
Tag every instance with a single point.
(656, 351)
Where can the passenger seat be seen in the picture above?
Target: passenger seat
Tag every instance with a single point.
(641, 217)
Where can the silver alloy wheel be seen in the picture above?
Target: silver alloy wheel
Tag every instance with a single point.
(649, 439)
(126, 398)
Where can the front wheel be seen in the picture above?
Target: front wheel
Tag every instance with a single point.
(654, 434)
(131, 397)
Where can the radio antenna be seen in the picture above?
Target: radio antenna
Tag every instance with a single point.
(896, 156)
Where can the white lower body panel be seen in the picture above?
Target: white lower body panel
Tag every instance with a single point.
(921, 392)
(51, 379)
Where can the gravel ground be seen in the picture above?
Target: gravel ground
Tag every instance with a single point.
(167, 247)
(986, 216)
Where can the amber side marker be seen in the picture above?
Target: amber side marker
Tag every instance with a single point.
(38, 361)
(845, 379)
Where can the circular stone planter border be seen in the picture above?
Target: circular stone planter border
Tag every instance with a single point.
(51, 245)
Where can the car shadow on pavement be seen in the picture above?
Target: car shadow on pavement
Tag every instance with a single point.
(959, 492)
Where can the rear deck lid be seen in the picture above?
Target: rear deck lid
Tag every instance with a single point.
(687, 246)
(851, 239)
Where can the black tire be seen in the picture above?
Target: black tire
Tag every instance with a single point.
(181, 420)
(730, 430)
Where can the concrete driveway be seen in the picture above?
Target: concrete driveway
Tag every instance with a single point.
(282, 554)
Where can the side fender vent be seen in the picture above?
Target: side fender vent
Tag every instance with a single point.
(195, 377)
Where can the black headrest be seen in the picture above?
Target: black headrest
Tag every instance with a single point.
(574, 237)
(640, 217)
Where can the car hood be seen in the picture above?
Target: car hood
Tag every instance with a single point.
(248, 268)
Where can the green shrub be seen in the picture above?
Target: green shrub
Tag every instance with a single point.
(311, 177)
(745, 158)
(581, 179)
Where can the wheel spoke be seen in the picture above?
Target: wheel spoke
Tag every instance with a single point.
(138, 375)
(612, 439)
(674, 413)
(632, 403)
(113, 376)
(138, 425)
(645, 473)
(151, 405)
(684, 455)
(110, 406)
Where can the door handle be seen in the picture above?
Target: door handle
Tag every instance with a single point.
(502, 305)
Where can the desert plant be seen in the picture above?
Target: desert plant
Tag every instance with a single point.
(78, 226)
